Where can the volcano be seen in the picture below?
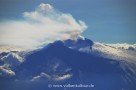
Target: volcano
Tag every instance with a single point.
(77, 62)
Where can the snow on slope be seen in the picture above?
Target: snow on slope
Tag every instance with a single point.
(124, 53)
(115, 53)
(4, 71)
(9, 60)
(126, 56)
(108, 51)
(74, 61)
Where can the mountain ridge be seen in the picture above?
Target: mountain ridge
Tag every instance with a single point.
(62, 62)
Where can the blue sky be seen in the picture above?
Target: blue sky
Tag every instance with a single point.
(109, 21)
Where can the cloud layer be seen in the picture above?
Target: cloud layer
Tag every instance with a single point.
(41, 26)
(124, 46)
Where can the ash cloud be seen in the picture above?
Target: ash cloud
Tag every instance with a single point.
(39, 27)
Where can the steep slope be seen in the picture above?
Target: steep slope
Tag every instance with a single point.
(75, 62)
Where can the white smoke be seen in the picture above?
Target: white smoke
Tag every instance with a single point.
(42, 26)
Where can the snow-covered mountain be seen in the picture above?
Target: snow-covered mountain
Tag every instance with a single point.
(80, 61)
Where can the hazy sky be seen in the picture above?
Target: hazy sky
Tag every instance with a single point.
(109, 21)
